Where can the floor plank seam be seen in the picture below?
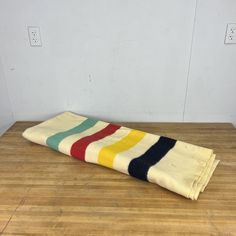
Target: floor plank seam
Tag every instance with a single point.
(13, 213)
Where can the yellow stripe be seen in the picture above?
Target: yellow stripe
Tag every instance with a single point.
(107, 154)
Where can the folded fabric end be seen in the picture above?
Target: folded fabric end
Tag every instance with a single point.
(216, 162)
(200, 184)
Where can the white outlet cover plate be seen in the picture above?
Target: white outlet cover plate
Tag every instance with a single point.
(230, 35)
(34, 36)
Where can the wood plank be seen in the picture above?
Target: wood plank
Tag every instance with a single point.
(43, 192)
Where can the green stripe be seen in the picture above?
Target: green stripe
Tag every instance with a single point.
(54, 140)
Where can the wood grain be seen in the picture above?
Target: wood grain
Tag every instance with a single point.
(43, 192)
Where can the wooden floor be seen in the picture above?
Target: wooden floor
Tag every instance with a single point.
(43, 192)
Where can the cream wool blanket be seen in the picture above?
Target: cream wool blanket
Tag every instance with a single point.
(178, 166)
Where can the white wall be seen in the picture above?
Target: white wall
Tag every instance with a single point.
(120, 60)
(212, 80)
(6, 116)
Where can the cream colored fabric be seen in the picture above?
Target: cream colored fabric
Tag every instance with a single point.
(185, 169)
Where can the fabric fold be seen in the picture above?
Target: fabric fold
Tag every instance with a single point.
(177, 166)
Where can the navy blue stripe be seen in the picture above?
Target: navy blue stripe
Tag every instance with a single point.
(139, 166)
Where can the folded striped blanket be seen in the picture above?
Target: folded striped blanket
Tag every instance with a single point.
(178, 166)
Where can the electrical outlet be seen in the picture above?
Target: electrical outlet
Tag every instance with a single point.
(230, 36)
(34, 36)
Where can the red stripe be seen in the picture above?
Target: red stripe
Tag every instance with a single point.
(79, 147)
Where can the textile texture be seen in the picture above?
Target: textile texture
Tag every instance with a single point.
(175, 165)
